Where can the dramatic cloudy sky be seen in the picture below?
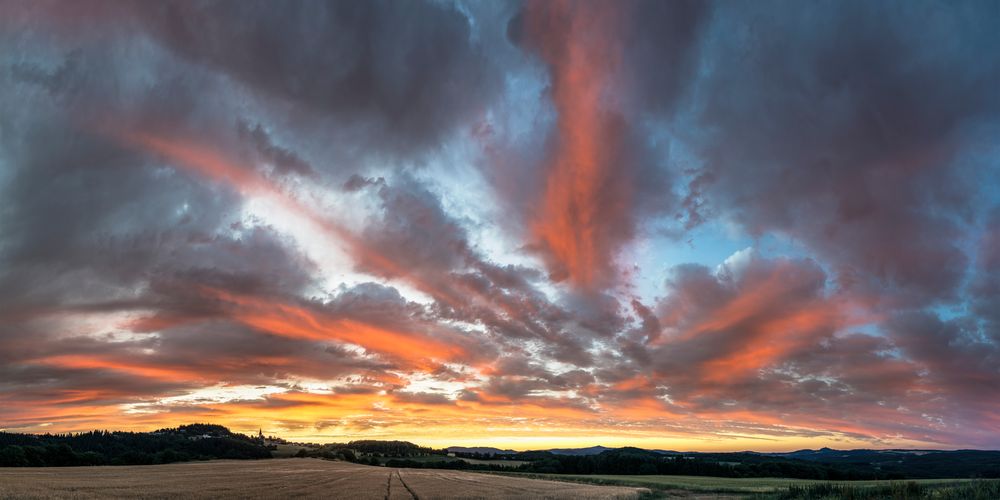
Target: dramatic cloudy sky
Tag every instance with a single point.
(688, 225)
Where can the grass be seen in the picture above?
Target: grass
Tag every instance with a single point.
(896, 490)
(791, 489)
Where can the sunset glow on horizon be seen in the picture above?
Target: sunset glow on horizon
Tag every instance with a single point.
(692, 226)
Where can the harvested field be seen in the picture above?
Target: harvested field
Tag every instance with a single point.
(284, 478)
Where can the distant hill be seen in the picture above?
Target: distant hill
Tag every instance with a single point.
(825, 463)
(388, 448)
(486, 450)
(578, 452)
(911, 463)
(480, 450)
(831, 455)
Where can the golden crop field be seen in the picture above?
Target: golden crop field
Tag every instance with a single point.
(285, 478)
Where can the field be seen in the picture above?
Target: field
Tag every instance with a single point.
(782, 488)
(716, 484)
(286, 450)
(284, 478)
(442, 458)
(314, 478)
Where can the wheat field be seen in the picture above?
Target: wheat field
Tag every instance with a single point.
(285, 478)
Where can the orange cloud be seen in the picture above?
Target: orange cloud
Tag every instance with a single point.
(96, 362)
(296, 321)
(772, 340)
(585, 209)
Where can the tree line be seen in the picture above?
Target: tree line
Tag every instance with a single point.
(184, 443)
(635, 461)
(642, 462)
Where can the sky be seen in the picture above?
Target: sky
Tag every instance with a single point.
(729, 225)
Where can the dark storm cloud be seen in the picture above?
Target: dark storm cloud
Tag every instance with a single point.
(415, 231)
(424, 398)
(984, 289)
(662, 45)
(85, 219)
(845, 125)
(960, 368)
(374, 299)
(283, 160)
(413, 70)
(961, 364)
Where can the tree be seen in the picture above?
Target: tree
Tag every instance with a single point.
(13, 456)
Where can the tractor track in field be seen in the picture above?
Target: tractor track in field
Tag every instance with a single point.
(408, 489)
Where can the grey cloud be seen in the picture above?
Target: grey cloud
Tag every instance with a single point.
(415, 231)
(284, 160)
(984, 289)
(425, 398)
(413, 71)
(843, 125)
(661, 49)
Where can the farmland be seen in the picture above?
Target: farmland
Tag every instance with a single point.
(303, 478)
(314, 478)
(439, 458)
(715, 484)
(785, 488)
